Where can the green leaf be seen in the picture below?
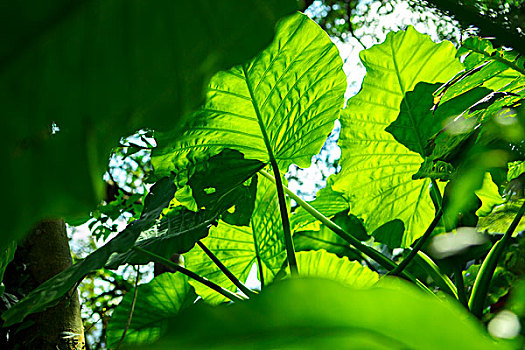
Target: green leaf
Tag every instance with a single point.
(376, 174)
(157, 301)
(283, 103)
(515, 170)
(240, 247)
(50, 292)
(321, 314)
(101, 71)
(6, 257)
(489, 196)
(390, 233)
(327, 201)
(323, 264)
(501, 217)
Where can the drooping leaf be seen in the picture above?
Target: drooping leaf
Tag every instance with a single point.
(223, 173)
(328, 202)
(322, 264)
(50, 292)
(321, 314)
(376, 174)
(283, 102)
(390, 233)
(100, 71)
(157, 301)
(418, 120)
(240, 247)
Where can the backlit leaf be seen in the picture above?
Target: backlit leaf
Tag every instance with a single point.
(376, 174)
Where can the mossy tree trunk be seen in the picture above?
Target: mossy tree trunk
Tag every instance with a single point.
(44, 253)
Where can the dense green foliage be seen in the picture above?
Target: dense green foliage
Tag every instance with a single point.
(430, 187)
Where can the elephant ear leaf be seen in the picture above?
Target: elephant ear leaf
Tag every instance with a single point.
(280, 105)
(377, 170)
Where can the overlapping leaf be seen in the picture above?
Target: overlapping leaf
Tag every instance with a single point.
(282, 102)
(157, 301)
(218, 187)
(377, 171)
(100, 71)
(321, 314)
(240, 247)
(50, 292)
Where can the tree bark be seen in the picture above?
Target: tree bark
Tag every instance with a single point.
(44, 253)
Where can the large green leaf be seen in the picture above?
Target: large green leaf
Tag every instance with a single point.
(283, 102)
(240, 247)
(322, 264)
(50, 292)
(101, 70)
(157, 301)
(322, 314)
(376, 173)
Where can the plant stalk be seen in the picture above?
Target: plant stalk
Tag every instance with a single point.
(191, 274)
(288, 242)
(482, 283)
(399, 268)
(460, 283)
(225, 270)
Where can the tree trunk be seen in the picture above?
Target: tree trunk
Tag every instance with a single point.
(44, 253)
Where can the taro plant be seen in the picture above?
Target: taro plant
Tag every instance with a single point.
(402, 247)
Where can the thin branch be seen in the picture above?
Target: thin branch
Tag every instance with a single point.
(157, 258)
(130, 310)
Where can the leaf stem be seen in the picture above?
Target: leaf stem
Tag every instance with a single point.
(441, 279)
(399, 268)
(258, 256)
(368, 251)
(460, 283)
(288, 242)
(225, 270)
(482, 283)
(131, 310)
(191, 274)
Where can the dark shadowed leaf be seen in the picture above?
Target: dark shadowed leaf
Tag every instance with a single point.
(100, 71)
(390, 233)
